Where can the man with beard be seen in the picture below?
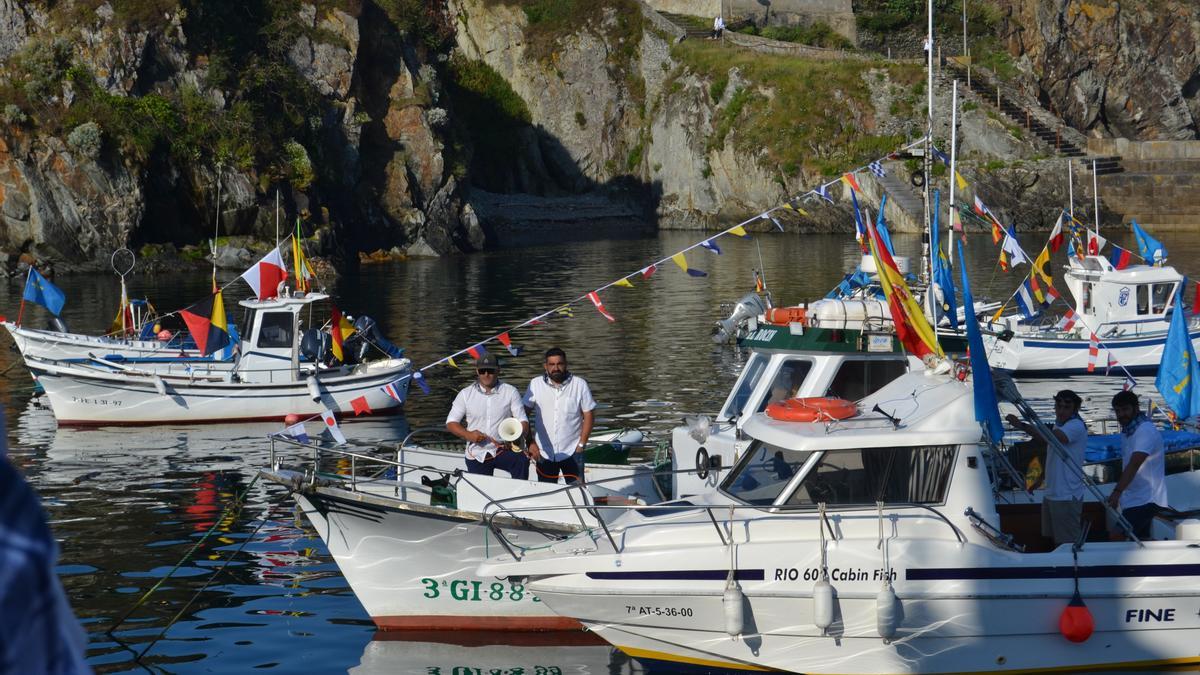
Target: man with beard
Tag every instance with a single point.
(1141, 491)
(564, 407)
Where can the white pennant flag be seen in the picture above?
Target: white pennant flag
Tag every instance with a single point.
(332, 425)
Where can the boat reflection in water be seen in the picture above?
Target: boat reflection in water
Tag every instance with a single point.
(492, 653)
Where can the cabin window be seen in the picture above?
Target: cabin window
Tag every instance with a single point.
(276, 330)
(857, 379)
(763, 472)
(1143, 299)
(1160, 296)
(745, 386)
(904, 475)
(787, 382)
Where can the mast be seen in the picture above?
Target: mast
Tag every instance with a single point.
(926, 261)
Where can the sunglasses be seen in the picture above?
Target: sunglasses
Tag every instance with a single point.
(486, 371)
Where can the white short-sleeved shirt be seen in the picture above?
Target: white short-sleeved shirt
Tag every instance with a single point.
(484, 410)
(560, 411)
(1062, 481)
(1149, 483)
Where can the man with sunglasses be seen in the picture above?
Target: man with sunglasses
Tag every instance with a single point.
(1062, 504)
(484, 405)
(565, 413)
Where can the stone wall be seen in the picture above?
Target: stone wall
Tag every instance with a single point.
(838, 14)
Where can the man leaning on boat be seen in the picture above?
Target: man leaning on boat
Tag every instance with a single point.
(1062, 505)
(484, 404)
(1141, 491)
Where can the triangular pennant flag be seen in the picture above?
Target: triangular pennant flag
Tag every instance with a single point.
(681, 261)
(980, 208)
(332, 425)
(823, 193)
(1112, 361)
(266, 275)
(649, 271)
(450, 362)
(738, 231)
(758, 282)
(962, 182)
(393, 391)
(624, 283)
(206, 322)
(419, 378)
(779, 225)
(566, 310)
(477, 351)
(711, 245)
(507, 342)
(595, 298)
(1130, 383)
(848, 179)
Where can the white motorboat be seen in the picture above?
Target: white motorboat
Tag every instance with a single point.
(872, 544)
(1128, 310)
(407, 527)
(66, 346)
(268, 380)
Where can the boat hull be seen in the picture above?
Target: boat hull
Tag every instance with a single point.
(1054, 356)
(59, 346)
(92, 397)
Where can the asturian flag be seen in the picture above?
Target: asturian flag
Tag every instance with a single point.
(266, 275)
(1179, 374)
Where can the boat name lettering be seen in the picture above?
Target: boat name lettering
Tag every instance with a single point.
(472, 590)
(1162, 615)
(763, 335)
(472, 670)
(95, 401)
(835, 574)
(646, 610)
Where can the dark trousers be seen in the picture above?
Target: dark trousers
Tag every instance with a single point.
(1141, 517)
(570, 468)
(515, 463)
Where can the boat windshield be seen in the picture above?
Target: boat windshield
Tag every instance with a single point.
(763, 472)
(788, 380)
(900, 475)
(753, 370)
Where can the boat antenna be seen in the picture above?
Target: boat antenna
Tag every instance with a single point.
(216, 230)
(762, 269)
(1096, 196)
(1070, 190)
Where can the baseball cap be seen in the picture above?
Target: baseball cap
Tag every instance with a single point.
(487, 361)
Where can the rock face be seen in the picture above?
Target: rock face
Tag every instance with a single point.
(1113, 68)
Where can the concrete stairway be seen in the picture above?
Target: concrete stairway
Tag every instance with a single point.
(693, 26)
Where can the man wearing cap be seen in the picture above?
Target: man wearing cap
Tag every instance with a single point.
(1141, 491)
(564, 407)
(485, 404)
(1062, 505)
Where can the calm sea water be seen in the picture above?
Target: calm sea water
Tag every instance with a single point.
(262, 592)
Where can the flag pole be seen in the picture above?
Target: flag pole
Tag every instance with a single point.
(953, 163)
(926, 262)
(216, 230)
(1096, 195)
(21, 311)
(1070, 189)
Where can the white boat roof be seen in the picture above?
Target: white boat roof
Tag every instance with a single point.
(284, 302)
(1098, 268)
(933, 409)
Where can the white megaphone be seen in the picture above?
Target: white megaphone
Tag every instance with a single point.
(510, 429)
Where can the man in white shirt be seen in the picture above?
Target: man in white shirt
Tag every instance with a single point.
(1062, 504)
(485, 404)
(564, 416)
(718, 27)
(1141, 491)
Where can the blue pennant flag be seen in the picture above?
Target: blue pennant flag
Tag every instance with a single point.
(987, 410)
(823, 193)
(943, 277)
(860, 228)
(38, 289)
(1151, 249)
(711, 245)
(941, 156)
(1179, 373)
(881, 228)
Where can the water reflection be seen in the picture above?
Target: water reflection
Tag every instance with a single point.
(488, 653)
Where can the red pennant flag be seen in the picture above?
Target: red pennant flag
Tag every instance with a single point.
(648, 272)
(507, 342)
(1196, 300)
(477, 351)
(1112, 361)
(1093, 352)
(359, 405)
(848, 178)
(595, 298)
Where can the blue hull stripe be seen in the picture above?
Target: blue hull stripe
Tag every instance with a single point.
(1049, 572)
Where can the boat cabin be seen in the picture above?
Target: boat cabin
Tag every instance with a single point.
(1130, 301)
(271, 350)
(846, 364)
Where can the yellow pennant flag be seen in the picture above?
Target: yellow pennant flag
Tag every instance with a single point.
(450, 362)
(1039, 265)
(738, 231)
(681, 261)
(962, 182)
(623, 282)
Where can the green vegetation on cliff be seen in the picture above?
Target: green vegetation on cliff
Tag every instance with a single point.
(806, 114)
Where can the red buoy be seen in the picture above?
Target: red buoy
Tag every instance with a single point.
(1076, 623)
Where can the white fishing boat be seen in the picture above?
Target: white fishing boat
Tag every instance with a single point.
(61, 345)
(407, 527)
(1128, 310)
(267, 381)
(871, 544)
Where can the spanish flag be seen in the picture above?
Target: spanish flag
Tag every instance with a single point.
(206, 322)
(912, 329)
(340, 329)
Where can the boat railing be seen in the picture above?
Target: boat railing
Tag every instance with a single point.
(715, 516)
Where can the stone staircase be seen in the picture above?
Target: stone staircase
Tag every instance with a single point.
(694, 27)
(1036, 122)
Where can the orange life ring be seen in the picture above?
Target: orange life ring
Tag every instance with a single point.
(785, 315)
(812, 409)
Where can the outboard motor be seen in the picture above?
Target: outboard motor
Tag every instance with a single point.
(59, 325)
(750, 306)
(312, 345)
(369, 330)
